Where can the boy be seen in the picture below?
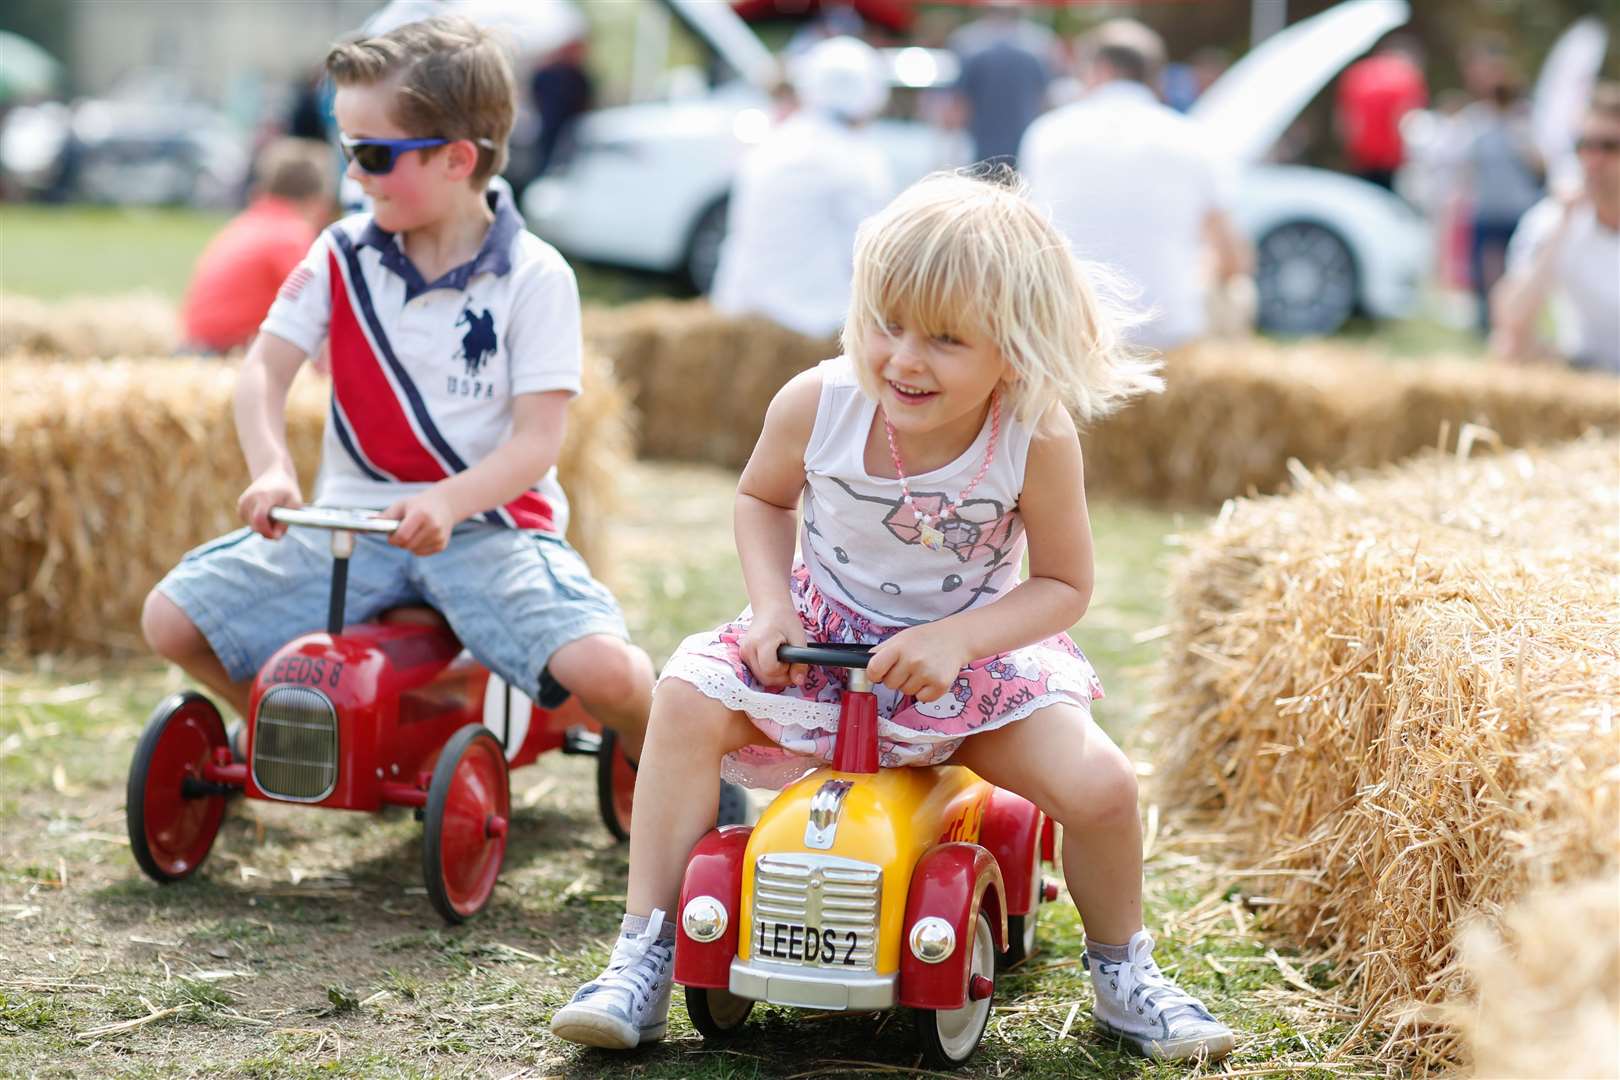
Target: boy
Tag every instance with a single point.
(455, 347)
(242, 267)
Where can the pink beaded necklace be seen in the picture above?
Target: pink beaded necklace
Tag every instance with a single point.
(930, 531)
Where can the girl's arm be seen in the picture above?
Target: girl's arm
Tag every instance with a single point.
(765, 518)
(924, 660)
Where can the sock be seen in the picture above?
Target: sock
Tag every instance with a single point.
(636, 925)
(1113, 954)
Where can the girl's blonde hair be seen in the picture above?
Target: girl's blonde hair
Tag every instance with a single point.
(959, 254)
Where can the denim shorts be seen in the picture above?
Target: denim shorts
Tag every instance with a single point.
(512, 597)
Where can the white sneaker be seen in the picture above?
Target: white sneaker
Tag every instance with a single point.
(628, 1004)
(1136, 1003)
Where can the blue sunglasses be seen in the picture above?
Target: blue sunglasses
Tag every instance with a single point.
(377, 156)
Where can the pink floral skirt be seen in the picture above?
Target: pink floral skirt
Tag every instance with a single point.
(802, 721)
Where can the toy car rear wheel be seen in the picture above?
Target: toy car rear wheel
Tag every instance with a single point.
(717, 1014)
(172, 823)
(1021, 928)
(465, 823)
(616, 787)
(949, 1036)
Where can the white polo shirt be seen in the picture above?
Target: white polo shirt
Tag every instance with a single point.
(1586, 298)
(1130, 181)
(423, 373)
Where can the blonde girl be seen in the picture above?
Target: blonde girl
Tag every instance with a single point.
(926, 460)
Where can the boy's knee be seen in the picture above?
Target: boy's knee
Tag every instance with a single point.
(168, 630)
(603, 669)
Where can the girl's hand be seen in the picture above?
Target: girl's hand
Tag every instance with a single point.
(765, 632)
(275, 487)
(921, 661)
(425, 521)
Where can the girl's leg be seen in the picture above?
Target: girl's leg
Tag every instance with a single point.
(677, 788)
(1060, 760)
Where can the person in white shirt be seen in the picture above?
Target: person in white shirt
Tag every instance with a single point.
(1567, 250)
(1133, 186)
(790, 226)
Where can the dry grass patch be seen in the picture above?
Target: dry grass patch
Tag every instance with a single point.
(1397, 698)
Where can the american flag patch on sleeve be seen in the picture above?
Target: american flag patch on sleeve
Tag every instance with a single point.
(301, 276)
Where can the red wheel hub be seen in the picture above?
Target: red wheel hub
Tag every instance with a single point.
(473, 840)
(179, 831)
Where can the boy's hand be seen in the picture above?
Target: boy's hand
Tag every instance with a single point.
(425, 521)
(920, 661)
(758, 645)
(276, 487)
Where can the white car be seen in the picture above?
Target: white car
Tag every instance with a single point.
(646, 185)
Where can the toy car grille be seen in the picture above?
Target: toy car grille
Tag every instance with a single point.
(295, 744)
(821, 893)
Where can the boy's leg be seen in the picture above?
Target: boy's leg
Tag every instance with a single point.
(613, 680)
(524, 604)
(231, 603)
(676, 789)
(1059, 759)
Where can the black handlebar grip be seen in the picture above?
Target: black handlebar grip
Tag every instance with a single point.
(830, 654)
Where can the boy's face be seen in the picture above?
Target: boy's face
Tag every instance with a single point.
(421, 187)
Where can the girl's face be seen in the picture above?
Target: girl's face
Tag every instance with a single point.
(414, 192)
(931, 383)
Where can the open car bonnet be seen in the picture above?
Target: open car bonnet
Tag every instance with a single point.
(1251, 105)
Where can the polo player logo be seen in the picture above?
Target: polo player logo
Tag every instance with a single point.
(478, 343)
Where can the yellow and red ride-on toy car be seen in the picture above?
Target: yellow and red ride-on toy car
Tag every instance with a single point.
(387, 713)
(863, 888)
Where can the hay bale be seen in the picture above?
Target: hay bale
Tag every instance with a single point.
(700, 381)
(113, 470)
(1234, 414)
(1398, 699)
(83, 328)
(1548, 986)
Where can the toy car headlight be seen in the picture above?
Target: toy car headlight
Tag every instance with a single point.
(932, 939)
(704, 918)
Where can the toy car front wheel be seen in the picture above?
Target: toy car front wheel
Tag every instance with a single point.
(717, 1014)
(172, 813)
(465, 823)
(949, 1036)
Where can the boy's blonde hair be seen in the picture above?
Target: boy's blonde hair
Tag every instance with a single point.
(957, 254)
(452, 81)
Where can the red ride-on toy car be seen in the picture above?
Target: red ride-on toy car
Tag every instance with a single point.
(388, 713)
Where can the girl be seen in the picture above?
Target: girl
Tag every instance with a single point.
(925, 457)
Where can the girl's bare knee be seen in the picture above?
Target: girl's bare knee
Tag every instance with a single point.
(1106, 799)
(168, 630)
(681, 711)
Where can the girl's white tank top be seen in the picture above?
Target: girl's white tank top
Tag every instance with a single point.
(861, 542)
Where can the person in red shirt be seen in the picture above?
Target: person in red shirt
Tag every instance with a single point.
(240, 270)
(1373, 96)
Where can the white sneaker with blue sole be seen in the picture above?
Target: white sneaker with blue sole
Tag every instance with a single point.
(628, 1004)
(1137, 1004)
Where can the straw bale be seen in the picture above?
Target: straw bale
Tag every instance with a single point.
(1548, 986)
(1234, 414)
(700, 381)
(1398, 697)
(114, 469)
(81, 328)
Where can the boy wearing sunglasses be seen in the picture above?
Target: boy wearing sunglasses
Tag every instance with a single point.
(455, 347)
(1567, 250)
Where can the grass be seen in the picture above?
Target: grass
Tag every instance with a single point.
(304, 948)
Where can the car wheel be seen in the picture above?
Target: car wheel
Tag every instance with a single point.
(172, 814)
(717, 1014)
(1306, 278)
(703, 248)
(465, 823)
(949, 1036)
